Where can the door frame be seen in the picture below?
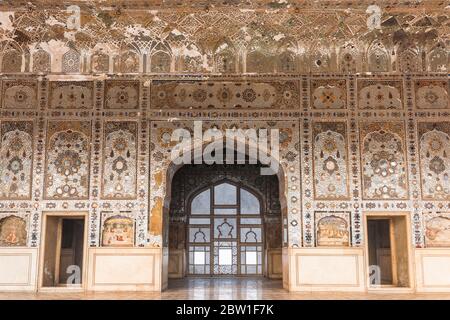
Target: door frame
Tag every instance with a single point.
(69, 215)
(410, 249)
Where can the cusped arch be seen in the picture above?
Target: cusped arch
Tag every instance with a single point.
(437, 58)
(100, 62)
(71, 61)
(41, 60)
(409, 60)
(161, 58)
(12, 57)
(378, 59)
(286, 56)
(225, 57)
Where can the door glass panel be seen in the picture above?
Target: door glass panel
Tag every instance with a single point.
(199, 258)
(250, 220)
(225, 228)
(250, 257)
(199, 235)
(199, 220)
(251, 235)
(224, 211)
(225, 193)
(225, 257)
(202, 203)
(249, 203)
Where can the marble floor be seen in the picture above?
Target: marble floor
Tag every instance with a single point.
(219, 289)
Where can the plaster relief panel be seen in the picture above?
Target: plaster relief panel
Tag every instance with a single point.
(383, 160)
(437, 232)
(121, 94)
(380, 95)
(431, 94)
(71, 95)
(328, 93)
(330, 161)
(434, 145)
(223, 95)
(67, 163)
(19, 94)
(120, 156)
(13, 231)
(333, 229)
(118, 231)
(16, 159)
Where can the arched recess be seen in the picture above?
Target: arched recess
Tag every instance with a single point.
(437, 58)
(259, 58)
(409, 60)
(41, 60)
(378, 59)
(161, 58)
(349, 58)
(12, 57)
(225, 57)
(160, 208)
(71, 61)
(191, 58)
(229, 211)
(287, 61)
(320, 58)
(128, 61)
(100, 61)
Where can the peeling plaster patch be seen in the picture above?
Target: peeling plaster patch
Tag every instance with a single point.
(105, 48)
(70, 35)
(223, 46)
(6, 19)
(279, 36)
(137, 30)
(51, 21)
(176, 32)
(189, 52)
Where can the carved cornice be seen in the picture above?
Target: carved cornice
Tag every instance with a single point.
(391, 5)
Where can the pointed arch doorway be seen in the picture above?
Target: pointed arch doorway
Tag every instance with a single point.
(224, 220)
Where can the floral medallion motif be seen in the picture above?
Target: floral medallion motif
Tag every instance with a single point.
(122, 94)
(67, 172)
(222, 95)
(434, 145)
(16, 160)
(120, 156)
(383, 162)
(328, 94)
(19, 94)
(382, 95)
(330, 161)
(431, 94)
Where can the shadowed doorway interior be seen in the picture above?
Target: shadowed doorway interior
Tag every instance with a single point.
(225, 220)
(388, 253)
(63, 254)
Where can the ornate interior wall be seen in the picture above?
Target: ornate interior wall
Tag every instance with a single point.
(89, 97)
